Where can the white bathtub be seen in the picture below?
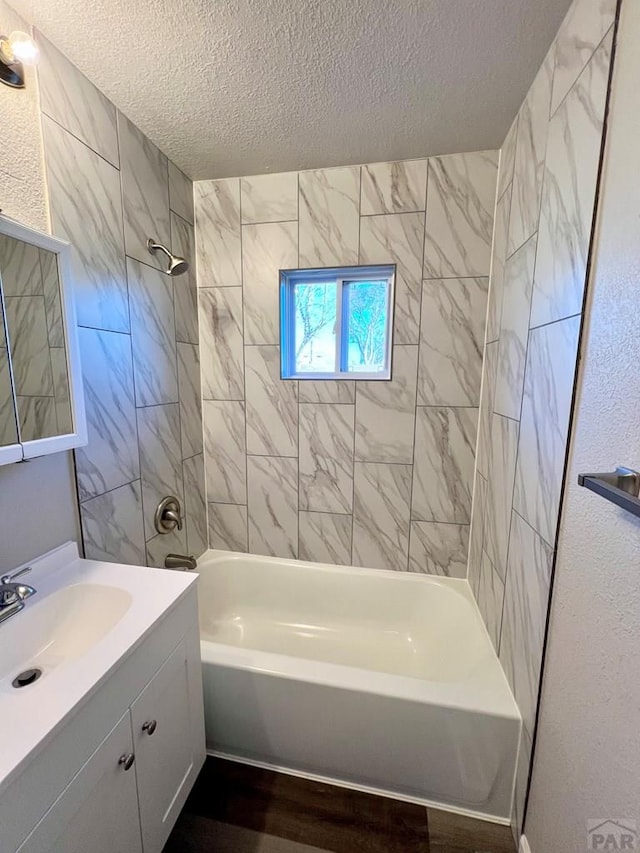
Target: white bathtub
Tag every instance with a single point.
(381, 681)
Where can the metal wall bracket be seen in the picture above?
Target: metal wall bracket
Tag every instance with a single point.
(621, 487)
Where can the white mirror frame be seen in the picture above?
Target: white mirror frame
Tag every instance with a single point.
(77, 438)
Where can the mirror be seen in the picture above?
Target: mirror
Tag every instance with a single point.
(37, 346)
(8, 424)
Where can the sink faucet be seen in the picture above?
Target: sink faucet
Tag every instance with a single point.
(13, 595)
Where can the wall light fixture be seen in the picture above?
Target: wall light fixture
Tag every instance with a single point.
(16, 50)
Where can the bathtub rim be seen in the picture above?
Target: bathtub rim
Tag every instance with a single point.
(459, 585)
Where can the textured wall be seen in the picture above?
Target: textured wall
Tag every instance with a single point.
(47, 482)
(367, 473)
(110, 189)
(587, 748)
(546, 190)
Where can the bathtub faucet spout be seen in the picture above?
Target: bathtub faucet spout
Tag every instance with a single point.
(179, 561)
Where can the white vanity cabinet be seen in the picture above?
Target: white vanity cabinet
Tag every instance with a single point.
(162, 741)
(114, 778)
(98, 811)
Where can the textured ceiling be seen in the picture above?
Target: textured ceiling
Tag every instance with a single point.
(237, 87)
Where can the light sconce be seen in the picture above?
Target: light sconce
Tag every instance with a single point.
(16, 50)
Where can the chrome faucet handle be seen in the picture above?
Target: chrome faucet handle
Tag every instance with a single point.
(5, 579)
(172, 516)
(168, 515)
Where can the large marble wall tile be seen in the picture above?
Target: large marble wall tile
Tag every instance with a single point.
(29, 345)
(581, 32)
(75, 103)
(326, 457)
(153, 334)
(459, 222)
(502, 467)
(110, 458)
(443, 464)
(571, 177)
(86, 209)
(551, 360)
(273, 505)
(218, 240)
(166, 543)
(490, 597)
(325, 537)
(489, 376)
(381, 511)
(329, 217)
(507, 158)
(385, 412)
(52, 299)
(190, 399)
(180, 193)
(36, 417)
(266, 249)
(526, 602)
(516, 303)
(221, 343)
(145, 193)
(451, 339)
(225, 451)
(228, 527)
(498, 259)
(399, 187)
(112, 526)
(269, 198)
(476, 536)
(21, 269)
(272, 405)
(160, 459)
(439, 549)
(185, 287)
(397, 238)
(533, 123)
(330, 391)
(195, 505)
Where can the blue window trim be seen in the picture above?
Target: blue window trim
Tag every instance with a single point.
(339, 276)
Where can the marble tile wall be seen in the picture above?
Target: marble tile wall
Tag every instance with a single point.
(109, 190)
(374, 474)
(546, 195)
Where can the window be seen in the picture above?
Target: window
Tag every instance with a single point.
(336, 323)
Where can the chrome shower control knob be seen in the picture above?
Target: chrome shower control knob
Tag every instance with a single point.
(126, 760)
(168, 515)
(150, 726)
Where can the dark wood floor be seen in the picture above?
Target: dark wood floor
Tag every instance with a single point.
(234, 808)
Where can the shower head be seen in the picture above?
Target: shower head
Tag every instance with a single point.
(176, 265)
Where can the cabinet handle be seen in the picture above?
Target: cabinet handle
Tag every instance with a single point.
(127, 760)
(150, 726)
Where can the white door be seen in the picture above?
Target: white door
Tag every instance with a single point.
(98, 810)
(165, 764)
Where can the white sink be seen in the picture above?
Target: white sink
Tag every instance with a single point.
(85, 617)
(61, 627)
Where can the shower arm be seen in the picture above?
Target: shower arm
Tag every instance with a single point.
(153, 247)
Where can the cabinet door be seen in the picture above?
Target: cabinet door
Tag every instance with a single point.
(98, 810)
(166, 766)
